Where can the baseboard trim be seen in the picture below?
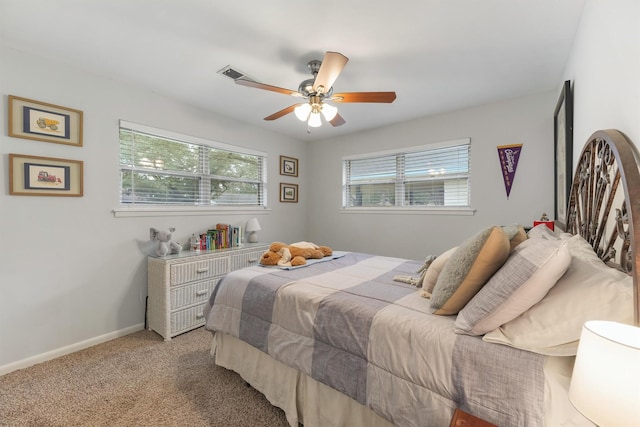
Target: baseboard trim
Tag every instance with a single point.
(39, 358)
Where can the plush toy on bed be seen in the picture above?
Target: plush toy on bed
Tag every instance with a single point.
(294, 254)
(165, 244)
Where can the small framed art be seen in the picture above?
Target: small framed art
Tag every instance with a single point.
(41, 121)
(289, 193)
(44, 176)
(288, 166)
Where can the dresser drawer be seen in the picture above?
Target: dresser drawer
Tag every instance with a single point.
(198, 270)
(186, 319)
(190, 294)
(246, 259)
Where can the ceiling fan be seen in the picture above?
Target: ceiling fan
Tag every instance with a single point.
(319, 89)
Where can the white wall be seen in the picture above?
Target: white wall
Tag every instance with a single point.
(527, 121)
(70, 271)
(604, 68)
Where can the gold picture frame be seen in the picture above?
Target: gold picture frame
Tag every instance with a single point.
(288, 166)
(41, 121)
(45, 176)
(288, 193)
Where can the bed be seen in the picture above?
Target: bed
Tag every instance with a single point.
(492, 328)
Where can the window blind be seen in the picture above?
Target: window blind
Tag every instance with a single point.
(159, 167)
(421, 177)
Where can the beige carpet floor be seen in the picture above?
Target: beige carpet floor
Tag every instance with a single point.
(137, 380)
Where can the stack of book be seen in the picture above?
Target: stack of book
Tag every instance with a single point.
(221, 237)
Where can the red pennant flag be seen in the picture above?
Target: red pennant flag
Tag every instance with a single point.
(509, 156)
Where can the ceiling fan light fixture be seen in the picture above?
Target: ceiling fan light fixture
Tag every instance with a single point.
(316, 90)
(314, 120)
(302, 111)
(329, 111)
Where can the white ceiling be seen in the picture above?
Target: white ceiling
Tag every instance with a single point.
(438, 55)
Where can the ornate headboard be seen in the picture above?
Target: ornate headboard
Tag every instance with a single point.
(604, 212)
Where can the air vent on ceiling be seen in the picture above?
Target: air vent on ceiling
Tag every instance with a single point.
(233, 73)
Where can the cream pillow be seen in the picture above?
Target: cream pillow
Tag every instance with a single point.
(532, 269)
(542, 231)
(468, 269)
(431, 276)
(589, 290)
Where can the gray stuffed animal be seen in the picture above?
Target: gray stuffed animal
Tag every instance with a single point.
(165, 244)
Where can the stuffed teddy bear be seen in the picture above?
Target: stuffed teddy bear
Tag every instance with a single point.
(294, 254)
(165, 244)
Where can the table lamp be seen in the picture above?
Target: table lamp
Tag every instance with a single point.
(252, 227)
(605, 386)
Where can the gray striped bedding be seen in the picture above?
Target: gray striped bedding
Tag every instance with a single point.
(349, 325)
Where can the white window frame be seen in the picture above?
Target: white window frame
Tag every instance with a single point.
(436, 210)
(125, 210)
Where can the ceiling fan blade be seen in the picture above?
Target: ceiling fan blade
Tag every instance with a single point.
(251, 83)
(385, 97)
(332, 65)
(337, 121)
(282, 112)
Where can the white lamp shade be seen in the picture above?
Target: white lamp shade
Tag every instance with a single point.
(253, 225)
(314, 120)
(329, 111)
(605, 386)
(302, 111)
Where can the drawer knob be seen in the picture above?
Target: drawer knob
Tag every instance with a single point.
(202, 270)
(200, 315)
(202, 292)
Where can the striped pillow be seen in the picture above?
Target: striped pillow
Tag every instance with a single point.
(532, 269)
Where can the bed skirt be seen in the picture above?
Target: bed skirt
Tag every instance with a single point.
(303, 399)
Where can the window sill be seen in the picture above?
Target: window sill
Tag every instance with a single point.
(411, 211)
(126, 212)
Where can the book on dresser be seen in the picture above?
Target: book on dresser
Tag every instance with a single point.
(180, 284)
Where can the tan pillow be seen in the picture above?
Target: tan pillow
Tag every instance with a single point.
(516, 235)
(431, 276)
(589, 290)
(468, 269)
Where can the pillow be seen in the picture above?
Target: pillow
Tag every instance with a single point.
(431, 276)
(542, 231)
(589, 290)
(468, 269)
(525, 278)
(515, 234)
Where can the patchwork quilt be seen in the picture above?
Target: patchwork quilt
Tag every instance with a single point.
(349, 325)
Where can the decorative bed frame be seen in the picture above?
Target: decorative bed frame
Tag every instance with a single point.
(607, 218)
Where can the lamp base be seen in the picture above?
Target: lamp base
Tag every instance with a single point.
(253, 237)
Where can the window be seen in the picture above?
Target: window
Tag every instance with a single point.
(159, 167)
(420, 177)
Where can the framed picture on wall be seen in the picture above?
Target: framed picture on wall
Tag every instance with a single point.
(288, 166)
(41, 121)
(44, 176)
(563, 153)
(289, 192)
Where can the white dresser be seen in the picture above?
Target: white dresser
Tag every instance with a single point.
(180, 284)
